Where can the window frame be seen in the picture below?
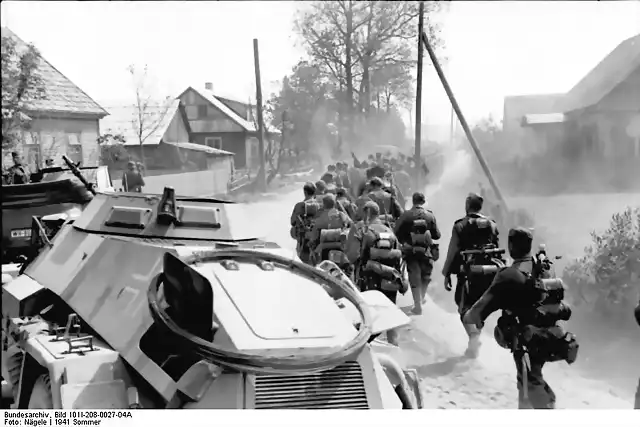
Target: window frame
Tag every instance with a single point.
(217, 142)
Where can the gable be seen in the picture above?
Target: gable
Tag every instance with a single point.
(610, 72)
(156, 123)
(62, 95)
(204, 116)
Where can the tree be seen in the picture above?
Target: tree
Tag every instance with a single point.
(606, 280)
(306, 101)
(21, 86)
(149, 113)
(365, 46)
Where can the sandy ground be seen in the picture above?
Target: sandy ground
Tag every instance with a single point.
(435, 341)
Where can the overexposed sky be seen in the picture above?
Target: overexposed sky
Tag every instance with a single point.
(495, 49)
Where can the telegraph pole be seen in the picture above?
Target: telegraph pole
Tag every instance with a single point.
(418, 160)
(261, 178)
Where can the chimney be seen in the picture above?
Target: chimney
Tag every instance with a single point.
(208, 86)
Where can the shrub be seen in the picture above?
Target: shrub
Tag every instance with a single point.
(606, 279)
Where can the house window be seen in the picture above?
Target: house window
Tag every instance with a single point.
(192, 112)
(74, 152)
(213, 142)
(202, 111)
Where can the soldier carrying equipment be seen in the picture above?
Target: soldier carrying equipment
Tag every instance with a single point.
(302, 220)
(416, 230)
(532, 305)
(475, 258)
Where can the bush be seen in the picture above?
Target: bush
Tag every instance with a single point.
(606, 279)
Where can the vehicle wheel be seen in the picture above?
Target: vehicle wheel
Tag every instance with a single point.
(41, 397)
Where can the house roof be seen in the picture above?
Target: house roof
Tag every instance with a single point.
(199, 147)
(124, 120)
(601, 80)
(217, 103)
(62, 95)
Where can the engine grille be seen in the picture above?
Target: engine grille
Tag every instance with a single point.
(339, 388)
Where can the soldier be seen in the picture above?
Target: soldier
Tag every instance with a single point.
(18, 173)
(416, 229)
(132, 178)
(515, 291)
(387, 204)
(374, 251)
(392, 188)
(402, 179)
(302, 218)
(330, 218)
(343, 175)
(329, 179)
(474, 231)
(343, 199)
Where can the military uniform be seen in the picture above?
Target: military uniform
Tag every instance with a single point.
(328, 219)
(349, 208)
(506, 293)
(403, 181)
(466, 235)
(387, 204)
(419, 266)
(19, 174)
(302, 218)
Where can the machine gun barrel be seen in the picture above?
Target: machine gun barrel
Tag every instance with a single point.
(463, 121)
(490, 251)
(76, 172)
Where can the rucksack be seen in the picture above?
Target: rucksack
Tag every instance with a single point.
(479, 231)
(383, 261)
(421, 241)
(534, 328)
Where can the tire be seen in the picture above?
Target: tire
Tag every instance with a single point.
(41, 397)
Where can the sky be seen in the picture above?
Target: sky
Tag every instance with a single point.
(494, 49)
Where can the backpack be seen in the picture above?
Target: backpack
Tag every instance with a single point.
(478, 232)
(311, 210)
(421, 242)
(535, 327)
(383, 261)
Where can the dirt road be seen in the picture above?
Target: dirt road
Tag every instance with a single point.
(434, 342)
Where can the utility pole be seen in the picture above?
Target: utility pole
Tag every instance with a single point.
(418, 159)
(262, 181)
(463, 121)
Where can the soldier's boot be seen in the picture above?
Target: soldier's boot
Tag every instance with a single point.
(416, 293)
(392, 337)
(473, 347)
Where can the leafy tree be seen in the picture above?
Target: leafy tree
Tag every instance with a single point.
(22, 84)
(149, 113)
(363, 48)
(606, 280)
(306, 102)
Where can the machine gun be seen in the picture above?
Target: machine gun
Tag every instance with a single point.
(489, 253)
(76, 172)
